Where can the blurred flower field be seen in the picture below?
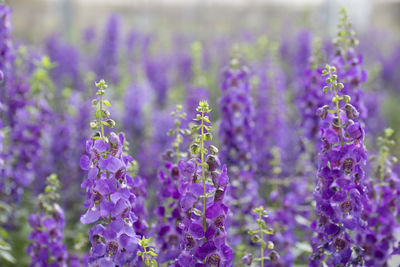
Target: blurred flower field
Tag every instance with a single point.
(140, 148)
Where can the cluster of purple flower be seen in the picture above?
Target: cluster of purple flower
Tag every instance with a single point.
(47, 247)
(202, 202)
(237, 148)
(181, 207)
(110, 195)
(340, 192)
(348, 64)
(378, 240)
(28, 115)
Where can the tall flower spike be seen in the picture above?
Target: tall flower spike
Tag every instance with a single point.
(340, 192)
(349, 64)
(168, 232)
(28, 117)
(178, 132)
(310, 97)
(379, 239)
(202, 203)
(257, 236)
(237, 148)
(47, 247)
(110, 197)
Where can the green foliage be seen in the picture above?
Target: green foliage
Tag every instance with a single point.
(148, 254)
(101, 114)
(41, 80)
(333, 87)
(385, 143)
(50, 195)
(276, 160)
(257, 235)
(5, 251)
(179, 115)
(346, 35)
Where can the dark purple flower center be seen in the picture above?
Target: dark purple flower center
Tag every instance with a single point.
(339, 244)
(346, 206)
(348, 165)
(214, 260)
(111, 248)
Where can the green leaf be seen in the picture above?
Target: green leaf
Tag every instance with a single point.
(7, 256)
(152, 253)
(107, 103)
(105, 123)
(253, 232)
(268, 231)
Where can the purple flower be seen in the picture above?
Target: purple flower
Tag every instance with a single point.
(111, 198)
(378, 239)
(203, 226)
(236, 133)
(47, 247)
(340, 192)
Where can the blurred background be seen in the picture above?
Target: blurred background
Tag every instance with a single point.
(34, 19)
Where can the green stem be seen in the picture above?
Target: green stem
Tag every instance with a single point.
(203, 176)
(338, 115)
(101, 117)
(147, 256)
(177, 146)
(381, 179)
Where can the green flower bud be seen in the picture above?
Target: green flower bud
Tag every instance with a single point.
(255, 238)
(346, 98)
(270, 245)
(195, 148)
(213, 149)
(93, 125)
(111, 123)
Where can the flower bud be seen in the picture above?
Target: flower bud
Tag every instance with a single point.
(274, 256)
(111, 123)
(322, 112)
(351, 111)
(213, 163)
(93, 125)
(213, 149)
(247, 259)
(106, 113)
(255, 238)
(346, 98)
(194, 148)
